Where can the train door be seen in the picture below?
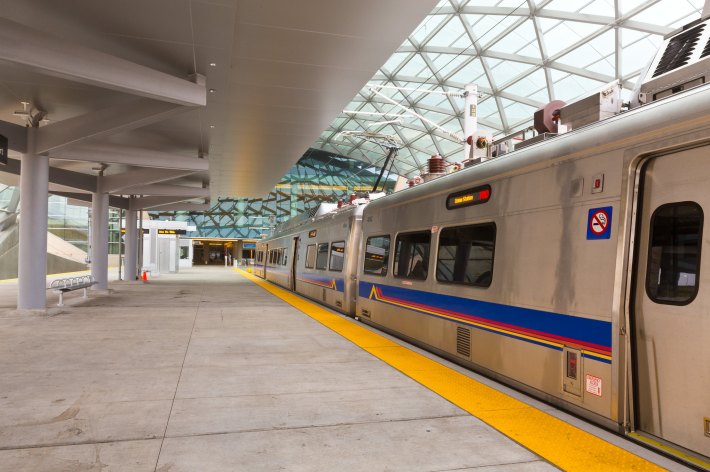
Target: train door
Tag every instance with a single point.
(671, 303)
(294, 262)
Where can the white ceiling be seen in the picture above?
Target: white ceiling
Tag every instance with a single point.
(278, 71)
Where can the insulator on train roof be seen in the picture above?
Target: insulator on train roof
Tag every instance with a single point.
(437, 164)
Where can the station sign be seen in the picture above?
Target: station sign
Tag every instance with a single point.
(145, 230)
(474, 196)
(172, 231)
(3, 149)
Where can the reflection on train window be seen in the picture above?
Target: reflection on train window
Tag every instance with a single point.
(310, 256)
(411, 256)
(466, 255)
(377, 253)
(674, 253)
(322, 259)
(337, 255)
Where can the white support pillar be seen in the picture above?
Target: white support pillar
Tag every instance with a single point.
(131, 261)
(470, 118)
(99, 236)
(34, 192)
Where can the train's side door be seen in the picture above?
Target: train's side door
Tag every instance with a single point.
(671, 301)
(294, 262)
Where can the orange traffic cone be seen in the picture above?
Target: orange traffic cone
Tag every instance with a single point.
(144, 276)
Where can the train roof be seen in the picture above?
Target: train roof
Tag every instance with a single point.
(637, 124)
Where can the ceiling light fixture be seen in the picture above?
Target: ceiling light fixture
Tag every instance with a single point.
(213, 64)
(212, 90)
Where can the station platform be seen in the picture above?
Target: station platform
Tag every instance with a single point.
(212, 369)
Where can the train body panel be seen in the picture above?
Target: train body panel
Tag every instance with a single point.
(325, 255)
(527, 268)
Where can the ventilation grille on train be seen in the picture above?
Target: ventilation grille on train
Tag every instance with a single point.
(706, 51)
(463, 341)
(679, 50)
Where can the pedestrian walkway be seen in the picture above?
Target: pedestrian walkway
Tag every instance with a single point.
(206, 371)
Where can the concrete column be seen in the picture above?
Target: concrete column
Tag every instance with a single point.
(131, 260)
(99, 236)
(34, 192)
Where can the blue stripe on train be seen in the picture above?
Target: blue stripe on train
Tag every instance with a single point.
(563, 327)
(317, 279)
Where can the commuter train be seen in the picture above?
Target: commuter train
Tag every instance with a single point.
(570, 269)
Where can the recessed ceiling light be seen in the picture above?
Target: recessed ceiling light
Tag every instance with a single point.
(213, 64)
(212, 90)
(212, 126)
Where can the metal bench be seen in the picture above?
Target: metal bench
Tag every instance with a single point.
(62, 286)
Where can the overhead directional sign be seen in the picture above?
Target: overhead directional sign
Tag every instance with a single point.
(3, 149)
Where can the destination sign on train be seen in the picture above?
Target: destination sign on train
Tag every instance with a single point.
(474, 196)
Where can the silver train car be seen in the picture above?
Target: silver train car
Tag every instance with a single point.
(310, 258)
(570, 269)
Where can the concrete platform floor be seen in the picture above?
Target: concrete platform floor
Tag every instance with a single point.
(205, 371)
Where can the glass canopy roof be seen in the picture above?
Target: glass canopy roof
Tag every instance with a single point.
(521, 54)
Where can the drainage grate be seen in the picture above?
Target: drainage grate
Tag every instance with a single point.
(678, 51)
(463, 341)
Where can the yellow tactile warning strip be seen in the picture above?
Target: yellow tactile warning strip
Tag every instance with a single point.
(560, 443)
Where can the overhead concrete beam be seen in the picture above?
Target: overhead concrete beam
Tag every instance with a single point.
(58, 57)
(113, 201)
(166, 190)
(16, 136)
(130, 115)
(148, 203)
(75, 180)
(130, 156)
(116, 182)
(185, 207)
(63, 177)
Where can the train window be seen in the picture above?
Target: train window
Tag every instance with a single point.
(674, 253)
(322, 258)
(411, 255)
(377, 255)
(466, 255)
(337, 256)
(310, 256)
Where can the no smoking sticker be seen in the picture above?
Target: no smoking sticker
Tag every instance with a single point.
(599, 223)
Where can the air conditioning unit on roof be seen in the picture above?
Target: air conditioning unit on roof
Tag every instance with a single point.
(682, 62)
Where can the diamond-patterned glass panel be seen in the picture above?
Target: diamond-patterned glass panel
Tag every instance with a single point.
(520, 54)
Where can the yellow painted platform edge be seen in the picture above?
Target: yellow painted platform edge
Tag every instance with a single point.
(670, 450)
(558, 442)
